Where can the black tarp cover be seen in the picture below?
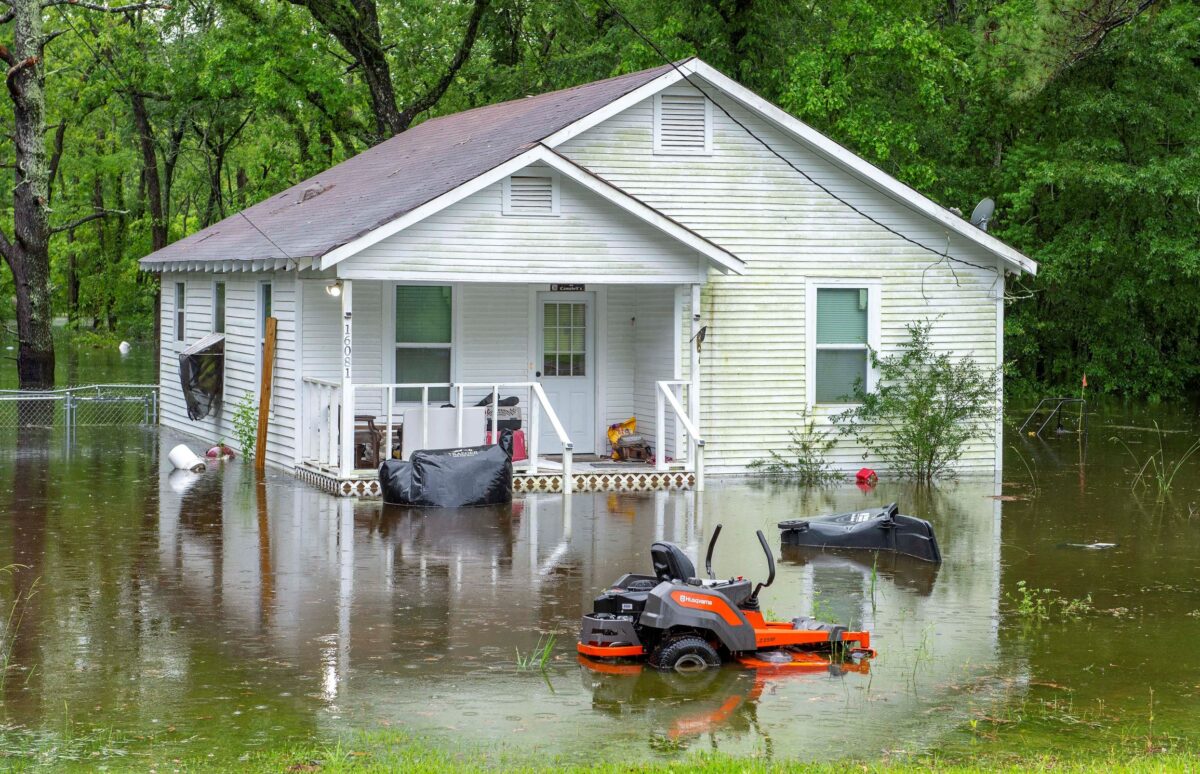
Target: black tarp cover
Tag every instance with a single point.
(202, 374)
(449, 478)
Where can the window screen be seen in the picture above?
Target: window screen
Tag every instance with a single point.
(424, 323)
(841, 346)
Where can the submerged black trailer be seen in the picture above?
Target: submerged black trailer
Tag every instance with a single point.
(876, 529)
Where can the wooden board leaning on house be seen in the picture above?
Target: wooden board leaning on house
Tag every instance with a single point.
(264, 394)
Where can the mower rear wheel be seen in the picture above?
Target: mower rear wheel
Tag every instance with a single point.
(685, 654)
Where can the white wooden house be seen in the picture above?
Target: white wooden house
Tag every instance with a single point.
(568, 248)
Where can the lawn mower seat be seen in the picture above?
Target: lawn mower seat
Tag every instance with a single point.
(670, 562)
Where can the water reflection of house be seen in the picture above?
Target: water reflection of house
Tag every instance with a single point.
(385, 608)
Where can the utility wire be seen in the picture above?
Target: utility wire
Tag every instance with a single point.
(942, 255)
(269, 239)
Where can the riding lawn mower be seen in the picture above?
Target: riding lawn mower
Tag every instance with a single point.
(675, 620)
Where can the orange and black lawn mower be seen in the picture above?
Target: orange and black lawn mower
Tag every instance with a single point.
(676, 620)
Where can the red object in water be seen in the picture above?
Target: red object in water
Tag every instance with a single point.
(866, 476)
(221, 450)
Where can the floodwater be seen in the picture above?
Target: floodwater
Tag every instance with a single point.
(193, 612)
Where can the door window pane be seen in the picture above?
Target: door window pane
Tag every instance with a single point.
(564, 339)
(837, 372)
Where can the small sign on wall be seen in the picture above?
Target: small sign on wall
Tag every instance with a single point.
(568, 288)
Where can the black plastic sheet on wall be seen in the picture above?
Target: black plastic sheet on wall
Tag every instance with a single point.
(202, 374)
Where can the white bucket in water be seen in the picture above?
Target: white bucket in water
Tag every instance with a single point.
(124, 347)
(184, 458)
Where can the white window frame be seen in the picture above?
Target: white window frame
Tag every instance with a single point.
(225, 311)
(179, 311)
(659, 150)
(389, 352)
(506, 194)
(873, 287)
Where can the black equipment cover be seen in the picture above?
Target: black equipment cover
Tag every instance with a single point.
(202, 374)
(449, 478)
(879, 529)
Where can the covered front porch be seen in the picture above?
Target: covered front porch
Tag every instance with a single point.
(388, 367)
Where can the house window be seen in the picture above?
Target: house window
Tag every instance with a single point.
(180, 312)
(218, 307)
(424, 325)
(846, 324)
(264, 311)
(682, 124)
(530, 194)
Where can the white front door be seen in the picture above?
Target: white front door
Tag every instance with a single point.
(566, 368)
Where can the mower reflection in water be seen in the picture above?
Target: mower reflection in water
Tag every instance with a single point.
(677, 708)
(678, 621)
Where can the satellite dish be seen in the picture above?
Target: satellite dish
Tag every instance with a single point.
(982, 214)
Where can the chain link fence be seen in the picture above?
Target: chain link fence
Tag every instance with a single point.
(93, 405)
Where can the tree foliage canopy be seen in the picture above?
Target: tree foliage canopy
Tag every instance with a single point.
(1080, 117)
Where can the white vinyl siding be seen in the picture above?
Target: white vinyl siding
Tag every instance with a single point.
(242, 359)
(591, 241)
(682, 124)
(790, 233)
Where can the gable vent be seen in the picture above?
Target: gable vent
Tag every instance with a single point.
(530, 195)
(681, 124)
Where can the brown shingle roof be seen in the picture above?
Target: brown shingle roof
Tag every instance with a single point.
(382, 183)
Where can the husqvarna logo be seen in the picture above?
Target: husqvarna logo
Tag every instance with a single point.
(695, 600)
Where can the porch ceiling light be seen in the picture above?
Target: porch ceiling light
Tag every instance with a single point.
(334, 288)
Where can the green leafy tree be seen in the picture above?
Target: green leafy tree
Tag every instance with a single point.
(926, 407)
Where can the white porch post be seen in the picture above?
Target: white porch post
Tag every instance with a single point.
(696, 449)
(346, 456)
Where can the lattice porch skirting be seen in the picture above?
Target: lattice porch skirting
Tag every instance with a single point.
(616, 481)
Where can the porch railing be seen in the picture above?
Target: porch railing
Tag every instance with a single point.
(689, 444)
(323, 420)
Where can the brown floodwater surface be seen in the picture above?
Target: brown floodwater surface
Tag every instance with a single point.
(210, 611)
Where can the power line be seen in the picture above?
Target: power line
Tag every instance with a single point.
(942, 255)
(269, 239)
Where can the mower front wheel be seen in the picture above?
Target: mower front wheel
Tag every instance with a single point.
(685, 654)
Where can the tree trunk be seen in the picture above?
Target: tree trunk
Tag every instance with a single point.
(28, 255)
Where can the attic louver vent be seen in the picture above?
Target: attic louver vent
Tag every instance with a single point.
(531, 195)
(681, 124)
